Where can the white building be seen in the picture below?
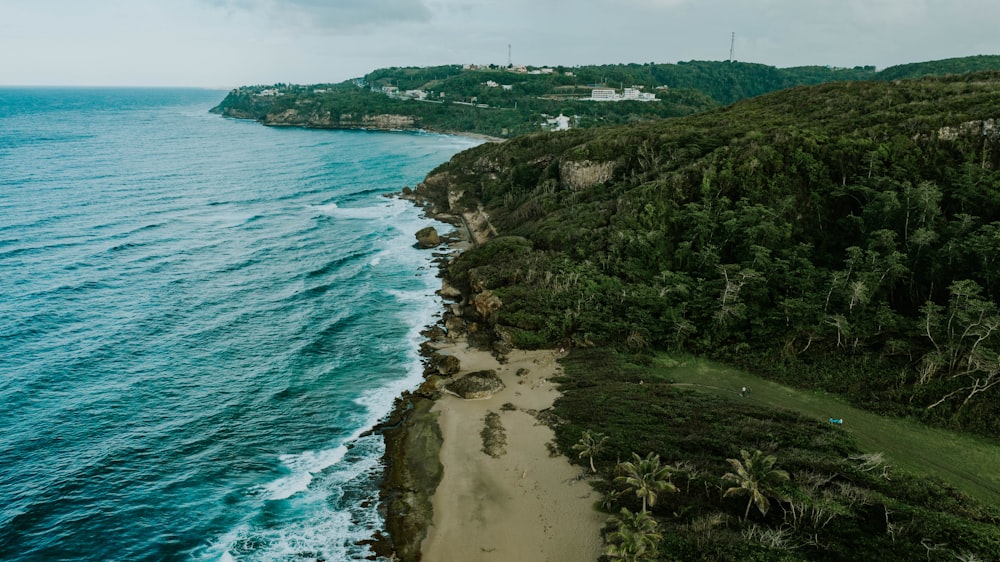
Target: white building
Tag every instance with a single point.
(603, 94)
(560, 123)
(628, 94)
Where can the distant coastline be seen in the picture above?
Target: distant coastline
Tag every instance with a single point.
(373, 126)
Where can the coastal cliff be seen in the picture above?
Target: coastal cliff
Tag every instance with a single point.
(820, 237)
(316, 120)
(324, 120)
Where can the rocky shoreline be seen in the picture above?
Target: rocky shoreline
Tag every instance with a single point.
(411, 433)
(383, 122)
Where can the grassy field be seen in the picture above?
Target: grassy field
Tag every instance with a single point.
(968, 464)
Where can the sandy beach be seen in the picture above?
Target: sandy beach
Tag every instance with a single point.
(524, 505)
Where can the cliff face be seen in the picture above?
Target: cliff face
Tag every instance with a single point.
(296, 118)
(585, 174)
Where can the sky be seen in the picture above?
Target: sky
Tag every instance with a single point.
(228, 43)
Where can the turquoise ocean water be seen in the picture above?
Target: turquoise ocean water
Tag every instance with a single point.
(198, 317)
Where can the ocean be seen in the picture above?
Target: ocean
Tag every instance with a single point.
(198, 318)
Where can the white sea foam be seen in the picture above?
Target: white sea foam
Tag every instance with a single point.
(329, 489)
(376, 212)
(324, 525)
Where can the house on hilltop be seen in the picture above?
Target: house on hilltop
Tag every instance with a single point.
(560, 123)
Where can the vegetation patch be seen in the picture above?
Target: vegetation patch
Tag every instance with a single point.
(842, 237)
(724, 477)
(494, 436)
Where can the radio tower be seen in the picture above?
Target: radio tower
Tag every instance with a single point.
(732, 45)
(509, 60)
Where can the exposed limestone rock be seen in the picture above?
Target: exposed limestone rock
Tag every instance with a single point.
(449, 291)
(454, 325)
(413, 472)
(427, 237)
(286, 117)
(389, 121)
(477, 386)
(484, 165)
(293, 117)
(579, 175)
(486, 304)
(504, 343)
(434, 333)
(989, 128)
(446, 364)
(453, 198)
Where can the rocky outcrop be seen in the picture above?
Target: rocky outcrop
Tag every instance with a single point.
(427, 237)
(479, 226)
(477, 386)
(293, 117)
(446, 365)
(584, 174)
(989, 128)
(486, 304)
(494, 436)
(449, 291)
(389, 121)
(413, 472)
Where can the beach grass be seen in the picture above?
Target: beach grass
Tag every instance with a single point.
(966, 462)
(871, 484)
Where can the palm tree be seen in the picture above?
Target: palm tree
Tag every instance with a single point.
(634, 538)
(590, 445)
(756, 477)
(647, 477)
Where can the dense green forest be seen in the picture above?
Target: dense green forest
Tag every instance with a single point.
(843, 236)
(476, 101)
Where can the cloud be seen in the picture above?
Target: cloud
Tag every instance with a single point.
(659, 3)
(330, 15)
(888, 12)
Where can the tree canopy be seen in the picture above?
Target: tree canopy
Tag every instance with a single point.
(842, 236)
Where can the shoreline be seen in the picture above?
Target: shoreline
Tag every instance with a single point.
(442, 497)
(524, 501)
(306, 125)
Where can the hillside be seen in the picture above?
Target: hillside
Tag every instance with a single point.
(506, 102)
(843, 236)
(841, 239)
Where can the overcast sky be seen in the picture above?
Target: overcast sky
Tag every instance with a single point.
(227, 43)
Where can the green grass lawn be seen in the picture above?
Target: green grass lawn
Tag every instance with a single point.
(969, 464)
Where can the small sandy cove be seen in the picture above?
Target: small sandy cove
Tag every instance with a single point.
(526, 505)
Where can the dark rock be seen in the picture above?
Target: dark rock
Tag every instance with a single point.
(454, 325)
(449, 291)
(413, 472)
(494, 436)
(427, 237)
(477, 385)
(434, 333)
(446, 364)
